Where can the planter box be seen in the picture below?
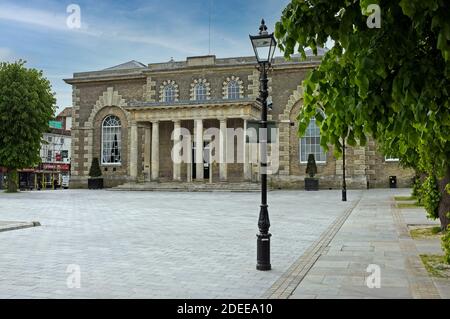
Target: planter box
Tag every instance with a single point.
(95, 183)
(311, 184)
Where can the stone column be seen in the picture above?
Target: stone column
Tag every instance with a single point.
(198, 137)
(155, 150)
(189, 161)
(223, 150)
(147, 143)
(247, 165)
(133, 151)
(176, 158)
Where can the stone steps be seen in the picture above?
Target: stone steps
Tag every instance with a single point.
(188, 187)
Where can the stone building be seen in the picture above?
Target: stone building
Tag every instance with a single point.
(125, 117)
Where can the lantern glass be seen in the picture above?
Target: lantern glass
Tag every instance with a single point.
(264, 47)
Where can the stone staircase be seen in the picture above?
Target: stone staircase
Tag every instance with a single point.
(188, 187)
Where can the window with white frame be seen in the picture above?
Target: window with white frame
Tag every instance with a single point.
(169, 93)
(200, 92)
(111, 140)
(310, 144)
(233, 90)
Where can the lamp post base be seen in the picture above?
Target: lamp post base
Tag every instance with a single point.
(344, 195)
(263, 252)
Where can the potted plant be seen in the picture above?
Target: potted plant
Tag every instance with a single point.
(311, 183)
(95, 180)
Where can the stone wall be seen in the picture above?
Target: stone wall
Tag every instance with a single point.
(379, 169)
(215, 79)
(94, 99)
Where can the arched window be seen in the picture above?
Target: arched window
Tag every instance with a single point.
(310, 144)
(233, 90)
(200, 92)
(169, 93)
(111, 140)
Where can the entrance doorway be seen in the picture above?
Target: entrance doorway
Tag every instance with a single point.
(206, 161)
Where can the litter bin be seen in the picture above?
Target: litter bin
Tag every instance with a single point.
(393, 181)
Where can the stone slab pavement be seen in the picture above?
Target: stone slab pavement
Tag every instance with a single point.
(203, 245)
(375, 236)
(154, 244)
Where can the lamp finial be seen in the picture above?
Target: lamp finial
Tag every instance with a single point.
(263, 28)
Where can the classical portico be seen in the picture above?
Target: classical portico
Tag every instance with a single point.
(210, 155)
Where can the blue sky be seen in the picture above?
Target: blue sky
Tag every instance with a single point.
(113, 32)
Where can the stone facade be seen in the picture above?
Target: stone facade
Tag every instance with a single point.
(134, 94)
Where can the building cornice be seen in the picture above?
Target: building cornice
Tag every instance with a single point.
(137, 105)
(79, 78)
(104, 76)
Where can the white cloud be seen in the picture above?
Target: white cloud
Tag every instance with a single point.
(171, 38)
(57, 22)
(32, 16)
(6, 54)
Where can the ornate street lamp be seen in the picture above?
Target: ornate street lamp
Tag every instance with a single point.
(264, 45)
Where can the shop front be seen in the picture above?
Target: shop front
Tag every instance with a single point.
(45, 176)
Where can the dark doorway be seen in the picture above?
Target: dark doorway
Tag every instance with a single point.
(206, 165)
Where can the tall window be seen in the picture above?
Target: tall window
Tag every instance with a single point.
(169, 93)
(233, 90)
(310, 144)
(111, 140)
(200, 92)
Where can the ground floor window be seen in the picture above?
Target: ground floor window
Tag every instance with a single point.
(111, 140)
(310, 144)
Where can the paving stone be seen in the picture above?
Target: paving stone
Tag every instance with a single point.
(162, 244)
(374, 233)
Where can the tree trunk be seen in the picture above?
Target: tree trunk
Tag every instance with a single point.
(12, 181)
(444, 204)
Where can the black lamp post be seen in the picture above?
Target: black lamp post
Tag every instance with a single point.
(264, 45)
(344, 184)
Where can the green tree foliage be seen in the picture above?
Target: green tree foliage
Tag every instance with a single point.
(446, 237)
(95, 170)
(391, 83)
(311, 167)
(417, 189)
(26, 107)
(431, 197)
(446, 245)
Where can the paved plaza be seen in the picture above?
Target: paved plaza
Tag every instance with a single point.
(203, 245)
(154, 244)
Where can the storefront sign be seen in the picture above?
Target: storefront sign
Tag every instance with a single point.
(55, 124)
(56, 167)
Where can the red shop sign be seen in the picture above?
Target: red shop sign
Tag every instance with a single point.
(59, 167)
